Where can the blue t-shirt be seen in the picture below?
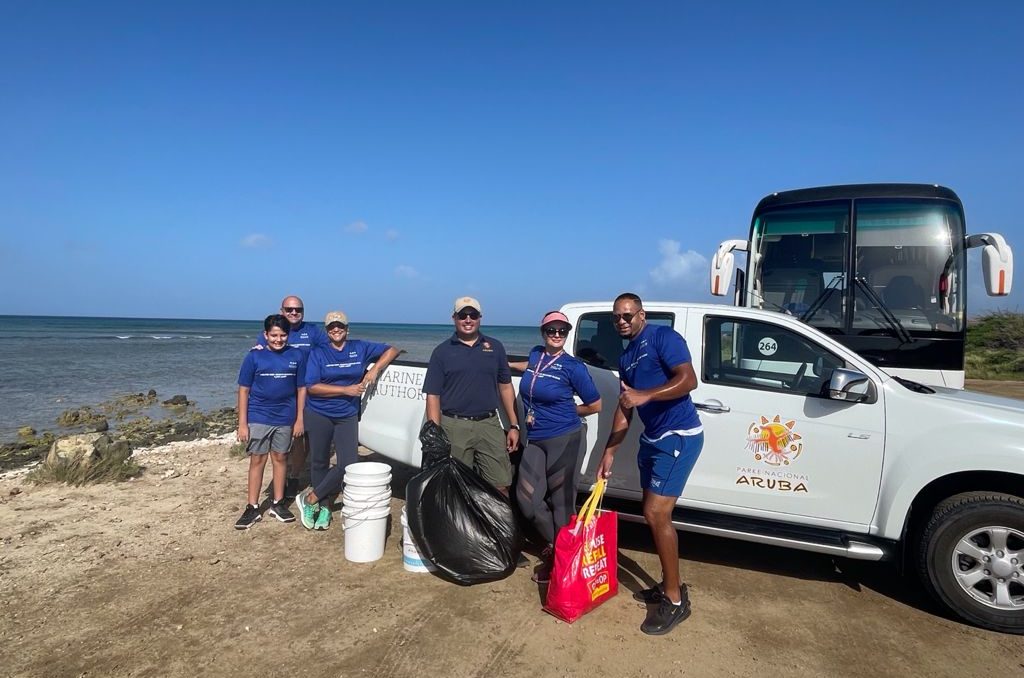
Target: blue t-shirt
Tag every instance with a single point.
(554, 409)
(647, 362)
(328, 365)
(303, 337)
(466, 377)
(272, 377)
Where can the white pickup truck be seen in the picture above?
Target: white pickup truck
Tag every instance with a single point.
(809, 446)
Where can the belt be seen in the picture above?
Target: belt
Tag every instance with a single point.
(475, 417)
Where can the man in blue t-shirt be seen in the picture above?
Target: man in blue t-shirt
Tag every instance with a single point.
(657, 376)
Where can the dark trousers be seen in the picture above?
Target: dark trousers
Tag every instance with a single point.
(322, 431)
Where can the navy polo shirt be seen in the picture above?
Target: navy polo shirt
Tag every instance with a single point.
(467, 377)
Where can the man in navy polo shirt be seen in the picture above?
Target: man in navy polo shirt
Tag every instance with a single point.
(657, 377)
(466, 377)
(303, 336)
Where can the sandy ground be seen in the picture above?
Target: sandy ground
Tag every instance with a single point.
(149, 578)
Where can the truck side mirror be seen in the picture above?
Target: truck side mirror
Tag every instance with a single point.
(851, 386)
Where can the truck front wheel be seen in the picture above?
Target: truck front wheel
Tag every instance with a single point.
(971, 558)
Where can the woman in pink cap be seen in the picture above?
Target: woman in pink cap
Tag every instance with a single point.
(546, 490)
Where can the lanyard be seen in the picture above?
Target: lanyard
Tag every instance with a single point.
(540, 367)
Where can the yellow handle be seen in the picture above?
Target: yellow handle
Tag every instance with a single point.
(589, 507)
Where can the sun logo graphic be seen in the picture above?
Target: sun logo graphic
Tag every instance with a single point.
(774, 442)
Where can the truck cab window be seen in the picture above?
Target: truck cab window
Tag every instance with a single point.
(763, 356)
(598, 342)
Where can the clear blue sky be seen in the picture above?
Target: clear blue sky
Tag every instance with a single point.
(203, 159)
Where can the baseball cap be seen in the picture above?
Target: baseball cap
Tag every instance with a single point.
(335, 317)
(463, 302)
(554, 317)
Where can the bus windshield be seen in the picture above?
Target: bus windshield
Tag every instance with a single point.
(906, 263)
(911, 254)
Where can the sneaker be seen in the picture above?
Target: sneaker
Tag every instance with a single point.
(323, 519)
(665, 616)
(279, 510)
(522, 561)
(653, 594)
(307, 511)
(250, 516)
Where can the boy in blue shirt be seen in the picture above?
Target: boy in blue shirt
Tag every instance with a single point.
(657, 376)
(270, 401)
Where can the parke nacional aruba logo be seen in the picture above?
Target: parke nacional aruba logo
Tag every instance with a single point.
(773, 442)
(777, 445)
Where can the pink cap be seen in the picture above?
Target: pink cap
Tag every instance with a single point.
(555, 317)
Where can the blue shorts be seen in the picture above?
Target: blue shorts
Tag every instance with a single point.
(665, 465)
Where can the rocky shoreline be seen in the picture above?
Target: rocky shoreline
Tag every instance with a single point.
(137, 419)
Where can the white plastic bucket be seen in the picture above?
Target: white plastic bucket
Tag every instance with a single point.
(367, 473)
(365, 531)
(360, 493)
(412, 561)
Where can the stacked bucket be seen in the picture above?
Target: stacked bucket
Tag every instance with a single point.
(366, 506)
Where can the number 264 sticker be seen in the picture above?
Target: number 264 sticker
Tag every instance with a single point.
(767, 346)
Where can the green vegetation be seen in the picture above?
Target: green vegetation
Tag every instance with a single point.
(114, 466)
(237, 451)
(995, 346)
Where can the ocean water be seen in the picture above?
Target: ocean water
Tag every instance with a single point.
(50, 364)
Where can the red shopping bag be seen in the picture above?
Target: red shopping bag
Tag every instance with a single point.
(584, 573)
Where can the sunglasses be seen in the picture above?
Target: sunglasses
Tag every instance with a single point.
(472, 315)
(623, 317)
(556, 331)
(293, 309)
(336, 326)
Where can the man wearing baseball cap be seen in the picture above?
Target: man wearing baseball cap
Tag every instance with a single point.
(467, 376)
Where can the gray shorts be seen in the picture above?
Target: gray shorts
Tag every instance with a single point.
(265, 438)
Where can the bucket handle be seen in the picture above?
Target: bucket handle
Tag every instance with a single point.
(374, 497)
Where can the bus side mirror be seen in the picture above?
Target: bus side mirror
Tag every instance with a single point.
(722, 265)
(997, 269)
(996, 262)
(851, 386)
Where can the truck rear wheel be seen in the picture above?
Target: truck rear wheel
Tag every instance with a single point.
(971, 558)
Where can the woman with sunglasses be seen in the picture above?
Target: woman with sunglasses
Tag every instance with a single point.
(546, 490)
(336, 379)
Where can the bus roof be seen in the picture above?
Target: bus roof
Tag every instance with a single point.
(852, 191)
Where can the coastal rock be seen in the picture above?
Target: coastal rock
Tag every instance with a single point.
(86, 448)
(81, 448)
(78, 416)
(176, 400)
(26, 432)
(100, 425)
(151, 394)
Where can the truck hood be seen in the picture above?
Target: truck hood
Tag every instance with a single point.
(980, 403)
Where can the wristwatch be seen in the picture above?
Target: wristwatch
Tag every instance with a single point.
(515, 426)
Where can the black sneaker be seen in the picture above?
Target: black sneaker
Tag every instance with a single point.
(279, 510)
(664, 617)
(653, 594)
(250, 516)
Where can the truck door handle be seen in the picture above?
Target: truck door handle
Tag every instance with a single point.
(714, 406)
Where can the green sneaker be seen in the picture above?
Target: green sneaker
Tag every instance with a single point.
(323, 518)
(307, 511)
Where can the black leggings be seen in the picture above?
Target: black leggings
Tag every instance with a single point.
(546, 490)
(322, 431)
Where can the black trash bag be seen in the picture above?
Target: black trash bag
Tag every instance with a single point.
(461, 525)
(435, 444)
